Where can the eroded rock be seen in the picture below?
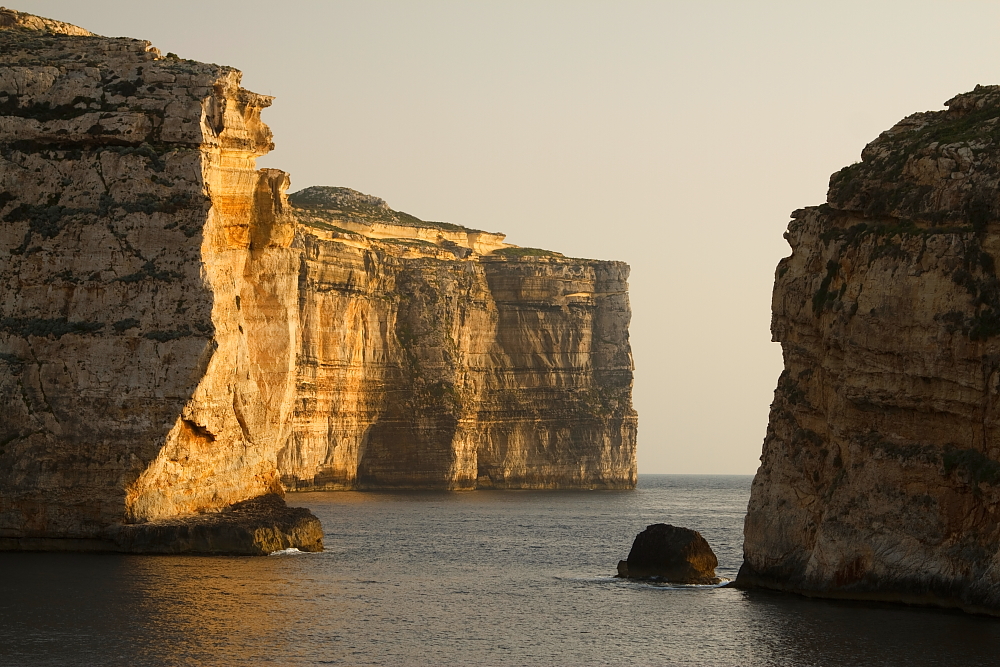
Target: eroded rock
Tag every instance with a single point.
(671, 553)
(880, 473)
(135, 383)
(425, 367)
(176, 337)
(255, 527)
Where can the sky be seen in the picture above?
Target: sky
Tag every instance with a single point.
(674, 136)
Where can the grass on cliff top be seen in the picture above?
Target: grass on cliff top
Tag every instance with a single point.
(514, 253)
(880, 188)
(339, 203)
(390, 218)
(978, 124)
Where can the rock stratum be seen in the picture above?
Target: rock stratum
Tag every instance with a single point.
(178, 336)
(880, 474)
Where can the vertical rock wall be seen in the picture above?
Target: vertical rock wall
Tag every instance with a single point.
(144, 263)
(420, 368)
(880, 475)
(557, 410)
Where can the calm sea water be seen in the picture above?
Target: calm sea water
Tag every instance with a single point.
(483, 578)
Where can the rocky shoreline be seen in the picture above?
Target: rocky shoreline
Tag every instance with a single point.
(255, 527)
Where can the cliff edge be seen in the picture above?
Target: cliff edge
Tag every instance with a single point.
(177, 337)
(880, 473)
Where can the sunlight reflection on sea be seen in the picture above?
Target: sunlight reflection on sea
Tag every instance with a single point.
(490, 577)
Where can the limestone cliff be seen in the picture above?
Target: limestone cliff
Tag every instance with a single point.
(176, 338)
(424, 363)
(149, 309)
(880, 475)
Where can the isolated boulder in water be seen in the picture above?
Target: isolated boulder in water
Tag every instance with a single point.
(679, 555)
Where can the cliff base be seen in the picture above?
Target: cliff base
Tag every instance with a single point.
(920, 595)
(255, 527)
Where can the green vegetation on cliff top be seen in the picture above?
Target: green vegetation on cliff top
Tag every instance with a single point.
(887, 184)
(336, 203)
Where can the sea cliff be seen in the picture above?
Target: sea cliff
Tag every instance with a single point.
(437, 356)
(880, 473)
(177, 337)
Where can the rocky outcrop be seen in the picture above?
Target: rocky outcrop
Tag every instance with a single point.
(671, 553)
(10, 18)
(176, 337)
(149, 307)
(425, 363)
(880, 475)
(255, 527)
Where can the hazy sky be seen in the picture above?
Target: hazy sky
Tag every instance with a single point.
(676, 136)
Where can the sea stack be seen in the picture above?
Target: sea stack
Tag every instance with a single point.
(880, 475)
(177, 337)
(671, 553)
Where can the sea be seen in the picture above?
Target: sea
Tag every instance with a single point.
(471, 578)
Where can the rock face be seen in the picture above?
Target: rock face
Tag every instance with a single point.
(880, 476)
(424, 363)
(675, 554)
(149, 305)
(176, 337)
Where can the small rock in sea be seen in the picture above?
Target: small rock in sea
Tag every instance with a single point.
(678, 555)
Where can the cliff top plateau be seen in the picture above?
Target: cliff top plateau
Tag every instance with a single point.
(880, 473)
(179, 337)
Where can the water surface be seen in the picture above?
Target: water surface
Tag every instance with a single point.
(482, 578)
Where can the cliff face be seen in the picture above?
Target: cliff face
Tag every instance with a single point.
(880, 475)
(149, 309)
(426, 364)
(175, 337)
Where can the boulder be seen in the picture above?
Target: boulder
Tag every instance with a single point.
(675, 554)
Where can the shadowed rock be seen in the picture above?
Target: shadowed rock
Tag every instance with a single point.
(880, 467)
(679, 555)
(253, 527)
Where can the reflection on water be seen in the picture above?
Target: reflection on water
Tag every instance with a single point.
(465, 578)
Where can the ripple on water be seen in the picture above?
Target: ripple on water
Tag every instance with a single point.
(471, 578)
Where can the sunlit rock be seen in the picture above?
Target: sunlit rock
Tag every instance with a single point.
(176, 337)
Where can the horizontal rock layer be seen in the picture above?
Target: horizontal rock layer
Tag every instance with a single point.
(880, 475)
(175, 337)
(433, 366)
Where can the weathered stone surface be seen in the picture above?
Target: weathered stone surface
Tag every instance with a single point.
(427, 364)
(255, 527)
(880, 475)
(10, 18)
(176, 337)
(149, 309)
(672, 553)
